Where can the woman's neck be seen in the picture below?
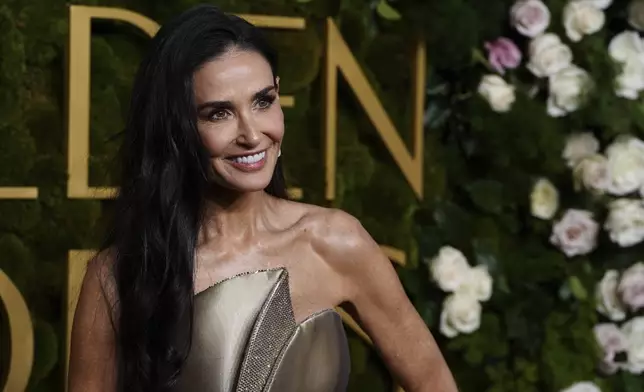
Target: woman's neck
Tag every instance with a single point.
(236, 216)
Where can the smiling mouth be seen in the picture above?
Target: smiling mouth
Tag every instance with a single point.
(253, 158)
(249, 163)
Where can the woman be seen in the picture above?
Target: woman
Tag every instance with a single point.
(210, 278)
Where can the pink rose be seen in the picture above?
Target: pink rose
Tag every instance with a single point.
(631, 287)
(612, 341)
(503, 54)
(530, 17)
(576, 233)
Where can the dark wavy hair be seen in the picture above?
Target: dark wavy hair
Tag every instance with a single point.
(160, 206)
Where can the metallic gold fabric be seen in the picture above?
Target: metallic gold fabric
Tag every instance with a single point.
(310, 361)
(245, 338)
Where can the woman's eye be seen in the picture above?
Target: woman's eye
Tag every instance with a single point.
(265, 102)
(218, 115)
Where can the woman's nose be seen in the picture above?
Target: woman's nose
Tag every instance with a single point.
(249, 133)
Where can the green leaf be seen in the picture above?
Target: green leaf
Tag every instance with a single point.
(455, 223)
(502, 284)
(516, 323)
(474, 356)
(46, 345)
(564, 292)
(528, 369)
(486, 244)
(428, 312)
(479, 57)
(439, 89)
(632, 383)
(487, 195)
(411, 281)
(359, 354)
(577, 288)
(386, 11)
(436, 115)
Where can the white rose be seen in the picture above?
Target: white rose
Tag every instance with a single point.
(582, 18)
(449, 268)
(600, 4)
(576, 233)
(592, 173)
(567, 88)
(477, 283)
(499, 94)
(625, 222)
(627, 49)
(461, 314)
(530, 17)
(548, 55)
(579, 146)
(625, 45)
(630, 81)
(584, 386)
(634, 331)
(636, 14)
(607, 299)
(612, 342)
(625, 165)
(544, 199)
(631, 287)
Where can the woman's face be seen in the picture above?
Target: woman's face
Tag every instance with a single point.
(240, 120)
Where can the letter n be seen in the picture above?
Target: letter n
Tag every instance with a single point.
(339, 57)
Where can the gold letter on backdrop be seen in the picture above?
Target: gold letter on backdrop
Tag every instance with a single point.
(338, 56)
(80, 19)
(21, 335)
(15, 192)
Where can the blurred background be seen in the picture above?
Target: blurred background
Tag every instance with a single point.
(493, 150)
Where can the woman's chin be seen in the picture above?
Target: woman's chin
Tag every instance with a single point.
(244, 186)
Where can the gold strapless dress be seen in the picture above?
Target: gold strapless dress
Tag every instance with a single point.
(245, 338)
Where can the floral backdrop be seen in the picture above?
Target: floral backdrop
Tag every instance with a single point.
(526, 255)
(534, 243)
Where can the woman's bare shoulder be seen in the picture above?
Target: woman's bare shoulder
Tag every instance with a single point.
(333, 231)
(99, 280)
(315, 217)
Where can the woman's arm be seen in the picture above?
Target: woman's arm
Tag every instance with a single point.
(92, 362)
(380, 305)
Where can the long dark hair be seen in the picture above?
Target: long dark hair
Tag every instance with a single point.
(158, 212)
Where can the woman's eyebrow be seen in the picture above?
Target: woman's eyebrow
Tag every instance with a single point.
(229, 105)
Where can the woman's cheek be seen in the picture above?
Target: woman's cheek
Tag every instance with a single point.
(214, 140)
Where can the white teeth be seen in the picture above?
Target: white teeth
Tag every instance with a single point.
(250, 159)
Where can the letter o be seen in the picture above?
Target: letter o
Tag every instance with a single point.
(21, 335)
